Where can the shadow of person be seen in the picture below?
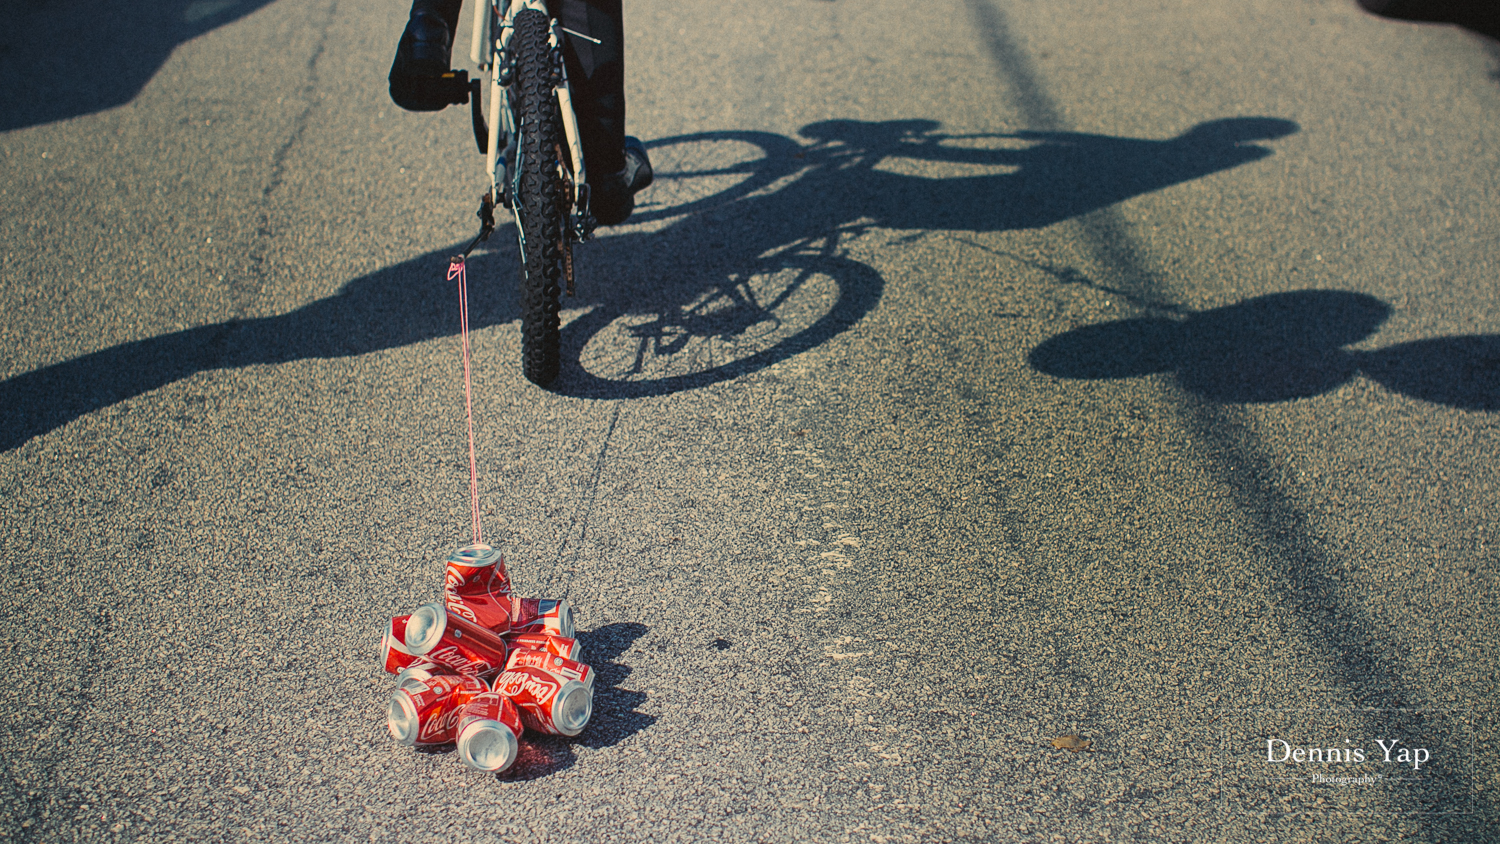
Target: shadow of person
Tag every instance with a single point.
(1460, 371)
(1278, 347)
(404, 304)
(66, 58)
(1481, 16)
(1049, 176)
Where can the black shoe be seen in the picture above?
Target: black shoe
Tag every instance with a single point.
(423, 56)
(613, 199)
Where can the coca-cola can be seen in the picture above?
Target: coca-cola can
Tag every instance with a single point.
(426, 712)
(477, 587)
(394, 655)
(489, 728)
(571, 669)
(438, 635)
(562, 646)
(419, 672)
(542, 615)
(549, 703)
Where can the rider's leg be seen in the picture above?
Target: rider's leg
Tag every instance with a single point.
(424, 54)
(618, 166)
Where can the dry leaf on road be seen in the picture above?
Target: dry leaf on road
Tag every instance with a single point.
(1073, 743)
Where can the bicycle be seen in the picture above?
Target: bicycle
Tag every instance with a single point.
(534, 160)
(530, 137)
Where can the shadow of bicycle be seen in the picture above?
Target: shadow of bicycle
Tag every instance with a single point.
(736, 260)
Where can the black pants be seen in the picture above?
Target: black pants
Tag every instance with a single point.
(596, 73)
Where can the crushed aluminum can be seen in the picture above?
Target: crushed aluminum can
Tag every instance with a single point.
(448, 639)
(394, 655)
(488, 733)
(542, 615)
(571, 669)
(427, 712)
(476, 586)
(549, 703)
(562, 646)
(420, 672)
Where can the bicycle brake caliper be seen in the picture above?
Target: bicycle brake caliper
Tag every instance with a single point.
(507, 68)
(583, 221)
(486, 215)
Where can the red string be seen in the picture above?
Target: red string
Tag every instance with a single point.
(456, 270)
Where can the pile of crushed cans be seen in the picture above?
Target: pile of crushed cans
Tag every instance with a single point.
(481, 666)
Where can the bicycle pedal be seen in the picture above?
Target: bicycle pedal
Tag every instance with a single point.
(452, 87)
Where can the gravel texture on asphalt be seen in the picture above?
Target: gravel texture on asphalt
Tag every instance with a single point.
(976, 374)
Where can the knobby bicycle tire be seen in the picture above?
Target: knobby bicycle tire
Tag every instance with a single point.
(540, 200)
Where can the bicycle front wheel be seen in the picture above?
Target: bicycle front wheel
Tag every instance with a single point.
(540, 197)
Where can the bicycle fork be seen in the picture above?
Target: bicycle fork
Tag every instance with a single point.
(490, 50)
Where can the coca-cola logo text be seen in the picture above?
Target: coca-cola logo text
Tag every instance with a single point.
(452, 579)
(435, 725)
(457, 607)
(513, 683)
(458, 660)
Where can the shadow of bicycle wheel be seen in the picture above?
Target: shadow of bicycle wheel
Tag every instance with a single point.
(742, 322)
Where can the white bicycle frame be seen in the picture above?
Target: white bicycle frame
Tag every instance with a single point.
(486, 51)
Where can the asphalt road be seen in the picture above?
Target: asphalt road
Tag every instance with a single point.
(978, 374)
